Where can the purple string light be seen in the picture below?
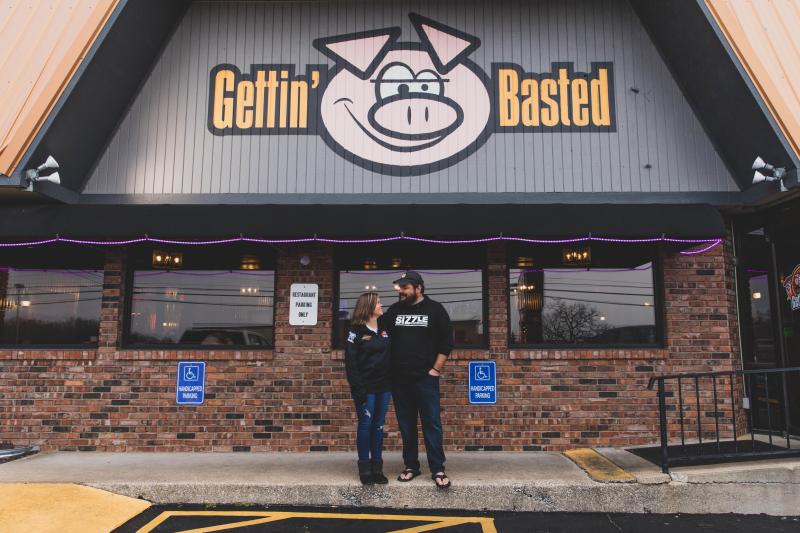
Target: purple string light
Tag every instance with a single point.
(32, 243)
(581, 269)
(396, 272)
(710, 243)
(202, 274)
(98, 243)
(704, 249)
(62, 270)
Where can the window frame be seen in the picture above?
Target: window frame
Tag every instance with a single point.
(658, 316)
(127, 310)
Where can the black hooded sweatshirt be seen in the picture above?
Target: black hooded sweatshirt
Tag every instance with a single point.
(419, 333)
(366, 359)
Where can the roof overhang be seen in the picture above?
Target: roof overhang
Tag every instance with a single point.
(105, 222)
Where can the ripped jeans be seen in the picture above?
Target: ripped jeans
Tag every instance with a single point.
(371, 415)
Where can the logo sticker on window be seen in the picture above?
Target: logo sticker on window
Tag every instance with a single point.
(792, 287)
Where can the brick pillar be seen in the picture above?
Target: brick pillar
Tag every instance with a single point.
(310, 388)
(301, 342)
(700, 309)
(702, 335)
(4, 299)
(497, 307)
(112, 306)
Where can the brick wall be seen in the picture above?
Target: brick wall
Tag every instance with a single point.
(295, 397)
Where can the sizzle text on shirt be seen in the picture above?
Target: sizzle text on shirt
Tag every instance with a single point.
(411, 320)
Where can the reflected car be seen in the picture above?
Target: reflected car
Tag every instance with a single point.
(224, 336)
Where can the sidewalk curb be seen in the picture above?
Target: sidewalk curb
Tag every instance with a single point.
(673, 497)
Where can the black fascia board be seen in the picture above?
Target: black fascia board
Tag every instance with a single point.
(700, 221)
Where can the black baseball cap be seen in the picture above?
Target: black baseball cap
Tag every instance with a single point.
(409, 278)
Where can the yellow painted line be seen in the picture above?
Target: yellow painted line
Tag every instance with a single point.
(234, 525)
(262, 517)
(63, 508)
(599, 467)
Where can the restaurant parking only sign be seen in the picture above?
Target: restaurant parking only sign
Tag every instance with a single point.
(303, 303)
(191, 383)
(482, 382)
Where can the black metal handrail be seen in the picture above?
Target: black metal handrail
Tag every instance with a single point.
(723, 451)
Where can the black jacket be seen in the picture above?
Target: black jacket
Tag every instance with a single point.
(419, 333)
(366, 359)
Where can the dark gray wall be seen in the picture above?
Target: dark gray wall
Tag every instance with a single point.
(163, 145)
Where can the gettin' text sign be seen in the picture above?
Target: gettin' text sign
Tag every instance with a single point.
(407, 108)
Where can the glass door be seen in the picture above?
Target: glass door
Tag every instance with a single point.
(758, 327)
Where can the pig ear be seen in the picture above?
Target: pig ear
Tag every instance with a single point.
(448, 47)
(360, 53)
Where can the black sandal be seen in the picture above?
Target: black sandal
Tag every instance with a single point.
(414, 473)
(441, 477)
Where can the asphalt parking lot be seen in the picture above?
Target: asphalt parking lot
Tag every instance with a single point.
(177, 518)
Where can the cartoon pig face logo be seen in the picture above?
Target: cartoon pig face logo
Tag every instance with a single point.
(405, 108)
(792, 283)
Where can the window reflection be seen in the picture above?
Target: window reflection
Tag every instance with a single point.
(459, 291)
(49, 306)
(760, 316)
(582, 306)
(201, 307)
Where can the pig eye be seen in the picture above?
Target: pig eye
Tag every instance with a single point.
(427, 82)
(395, 79)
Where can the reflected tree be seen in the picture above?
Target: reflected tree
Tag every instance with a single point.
(571, 323)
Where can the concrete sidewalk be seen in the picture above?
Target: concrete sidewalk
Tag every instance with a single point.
(534, 481)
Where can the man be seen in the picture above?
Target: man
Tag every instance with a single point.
(422, 338)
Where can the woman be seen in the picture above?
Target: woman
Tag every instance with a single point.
(367, 363)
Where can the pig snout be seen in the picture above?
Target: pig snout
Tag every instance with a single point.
(416, 117)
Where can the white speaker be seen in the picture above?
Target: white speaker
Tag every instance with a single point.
(758, 177)
(52, 178)
(50, 163)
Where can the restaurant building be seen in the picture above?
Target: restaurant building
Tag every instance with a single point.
(572, 179)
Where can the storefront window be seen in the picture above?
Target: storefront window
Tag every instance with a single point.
(552, 302)
(454, 277)
(459, 291)
(50, 306)
(203, 307)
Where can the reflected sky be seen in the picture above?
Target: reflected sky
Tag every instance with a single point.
(460, 291)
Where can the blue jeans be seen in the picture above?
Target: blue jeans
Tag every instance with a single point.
(369, 436)
(420, 398)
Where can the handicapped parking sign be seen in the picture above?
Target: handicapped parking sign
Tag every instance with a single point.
(191, 387)
(482, 382)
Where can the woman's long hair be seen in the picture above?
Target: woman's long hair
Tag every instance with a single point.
(365, 306)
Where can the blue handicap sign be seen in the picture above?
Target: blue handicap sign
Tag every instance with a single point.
(191, 389)
(482, 382)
